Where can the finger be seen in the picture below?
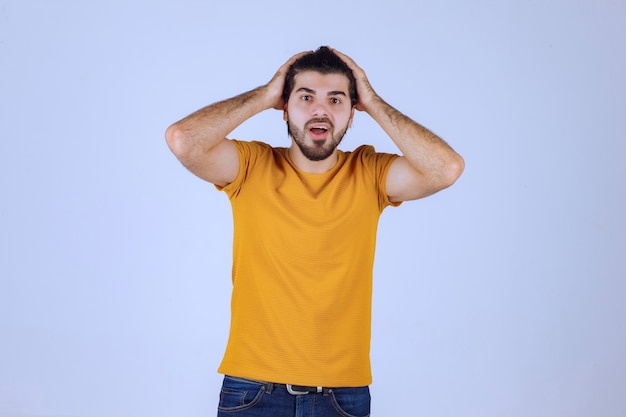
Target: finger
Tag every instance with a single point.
(294, 58)
(345, 58)
(283, 69)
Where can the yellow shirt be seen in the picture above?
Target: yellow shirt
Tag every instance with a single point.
(303, 253)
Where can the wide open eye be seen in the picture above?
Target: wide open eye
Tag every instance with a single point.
(306, 97)
(335, 100)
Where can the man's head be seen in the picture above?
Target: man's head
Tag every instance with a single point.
(324, 61)
(320, 99)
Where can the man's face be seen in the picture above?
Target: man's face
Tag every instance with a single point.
(318, 113)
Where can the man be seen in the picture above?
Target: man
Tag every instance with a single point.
(305, 220)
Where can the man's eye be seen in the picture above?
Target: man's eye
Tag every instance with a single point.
(306, 98)
(335, 100)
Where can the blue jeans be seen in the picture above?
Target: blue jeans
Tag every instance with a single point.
(246, 398)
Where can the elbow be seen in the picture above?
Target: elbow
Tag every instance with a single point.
(453, 171)
(175, 139)
(458, 166)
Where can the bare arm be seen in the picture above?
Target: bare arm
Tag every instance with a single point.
(199, 140)
(427, 164)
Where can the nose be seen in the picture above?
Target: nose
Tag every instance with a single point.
(319, 110)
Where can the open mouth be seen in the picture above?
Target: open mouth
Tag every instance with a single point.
(319, 131)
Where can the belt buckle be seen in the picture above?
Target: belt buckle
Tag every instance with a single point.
(293, 389)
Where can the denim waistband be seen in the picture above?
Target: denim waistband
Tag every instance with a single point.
(291, 388)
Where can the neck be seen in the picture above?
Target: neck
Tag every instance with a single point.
(311, 167)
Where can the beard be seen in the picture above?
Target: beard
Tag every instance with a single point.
(318, 150)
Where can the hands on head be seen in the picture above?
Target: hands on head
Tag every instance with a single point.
(274, 88)
(277, 83)
(364, 89)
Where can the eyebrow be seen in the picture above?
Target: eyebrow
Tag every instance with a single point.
(330, 93)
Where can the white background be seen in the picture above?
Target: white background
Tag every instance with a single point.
(501, 296)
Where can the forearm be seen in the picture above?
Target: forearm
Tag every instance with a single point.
(207, 127)
(426, 152)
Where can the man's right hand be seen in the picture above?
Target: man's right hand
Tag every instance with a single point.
(274, 89)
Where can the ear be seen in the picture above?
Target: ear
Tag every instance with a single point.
(285, 114)
(351, 117)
